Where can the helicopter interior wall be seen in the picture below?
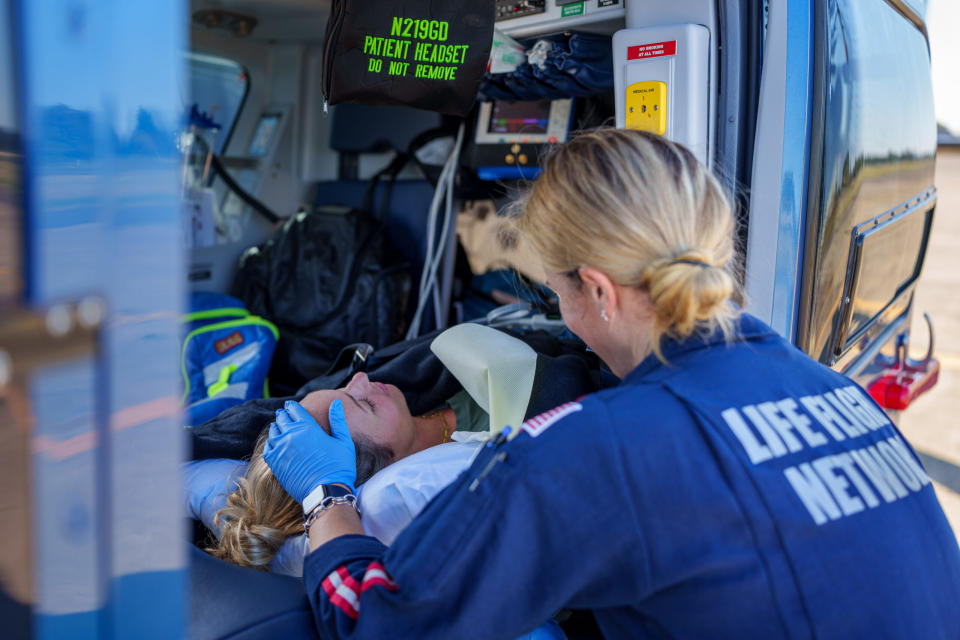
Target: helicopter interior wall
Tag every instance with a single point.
(283, 58)
(273, 72)
(301, 21)
(286, 74)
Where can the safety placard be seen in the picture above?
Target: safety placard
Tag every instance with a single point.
(440, 60)
(652, 50)
(428, 54)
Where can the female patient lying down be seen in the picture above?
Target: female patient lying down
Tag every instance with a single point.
(402, 461)
(259, 519)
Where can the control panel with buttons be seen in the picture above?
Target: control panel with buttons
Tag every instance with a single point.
(511, 136)
(508, 9)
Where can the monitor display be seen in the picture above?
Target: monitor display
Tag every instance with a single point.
(534, 122)
(520, 117)
(263, 135)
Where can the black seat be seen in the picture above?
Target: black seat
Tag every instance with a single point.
(362, 128)
(357, 129)
(406, 212)
(228, 601)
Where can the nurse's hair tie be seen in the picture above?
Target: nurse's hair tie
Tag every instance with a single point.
(696, 263)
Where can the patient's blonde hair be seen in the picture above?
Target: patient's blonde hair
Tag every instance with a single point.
(259, 515)
(644, 211)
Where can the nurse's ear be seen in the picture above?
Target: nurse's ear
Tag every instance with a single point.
(601, 290)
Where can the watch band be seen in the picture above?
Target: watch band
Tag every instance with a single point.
(327, 503)
(324, 491)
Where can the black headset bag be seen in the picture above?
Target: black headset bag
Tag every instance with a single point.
(428, 54)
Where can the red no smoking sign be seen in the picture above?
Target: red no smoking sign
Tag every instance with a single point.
(652, 50)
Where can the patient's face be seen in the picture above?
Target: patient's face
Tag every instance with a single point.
(374, 410)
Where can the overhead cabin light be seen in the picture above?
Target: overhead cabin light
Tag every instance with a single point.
(241, 25)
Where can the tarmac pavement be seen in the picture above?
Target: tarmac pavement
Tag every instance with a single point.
(932, 423)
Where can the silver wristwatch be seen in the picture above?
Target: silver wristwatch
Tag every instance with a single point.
(327, 503)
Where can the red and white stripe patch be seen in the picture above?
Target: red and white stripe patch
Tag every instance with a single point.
(376, 576)
(344, 590)
(538, 424)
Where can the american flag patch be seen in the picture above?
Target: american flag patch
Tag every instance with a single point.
(538, 424)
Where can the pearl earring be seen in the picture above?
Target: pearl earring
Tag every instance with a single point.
(603, 314)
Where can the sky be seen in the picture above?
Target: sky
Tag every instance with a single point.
(943, 27)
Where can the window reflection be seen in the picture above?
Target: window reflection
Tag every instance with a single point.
(218, 87)
(10, 173)
(878, 153)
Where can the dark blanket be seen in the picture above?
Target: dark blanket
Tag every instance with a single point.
(564, 372)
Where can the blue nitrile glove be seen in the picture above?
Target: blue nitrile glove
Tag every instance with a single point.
(206, 484)
(301, 454)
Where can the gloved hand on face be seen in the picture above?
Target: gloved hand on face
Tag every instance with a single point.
(301, 454)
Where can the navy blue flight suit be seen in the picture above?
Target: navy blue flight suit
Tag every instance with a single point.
(743, 491)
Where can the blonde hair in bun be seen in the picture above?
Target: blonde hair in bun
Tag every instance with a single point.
(643, 210)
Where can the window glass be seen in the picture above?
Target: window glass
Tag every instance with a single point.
(10, 190)
(218, 88)
(879, 139)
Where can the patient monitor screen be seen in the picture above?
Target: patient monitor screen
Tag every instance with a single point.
(520, 117)
(533, 122)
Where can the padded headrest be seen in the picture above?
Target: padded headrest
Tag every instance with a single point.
(406, 213)
(227, 601)
(361, 128)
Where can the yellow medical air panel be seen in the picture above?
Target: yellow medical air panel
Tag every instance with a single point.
(647, 106)
(662, 80)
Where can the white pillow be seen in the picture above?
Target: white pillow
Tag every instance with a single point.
(392, 498)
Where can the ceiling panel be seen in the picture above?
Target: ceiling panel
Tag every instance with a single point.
(282, 20)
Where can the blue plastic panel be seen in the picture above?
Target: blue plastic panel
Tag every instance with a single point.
(101, 110)
(508, 173)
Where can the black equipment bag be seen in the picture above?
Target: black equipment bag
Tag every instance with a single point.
(429, 54)
(565, 371)
(326, 278)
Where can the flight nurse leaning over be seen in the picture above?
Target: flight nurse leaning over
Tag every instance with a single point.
(730, 486)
